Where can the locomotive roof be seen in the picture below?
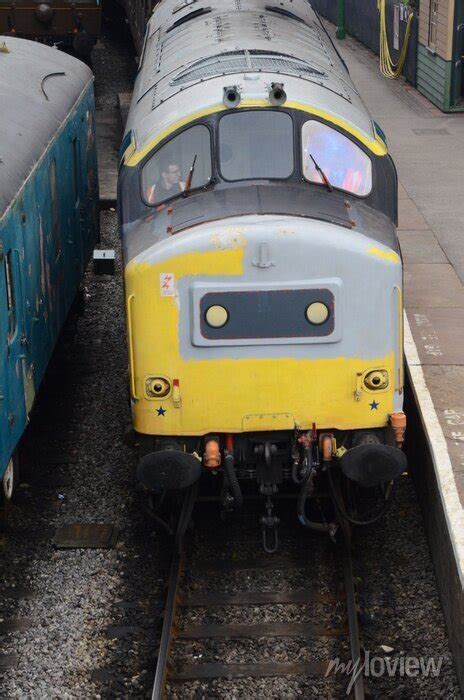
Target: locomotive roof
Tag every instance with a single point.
(195, 48)
(38, 87)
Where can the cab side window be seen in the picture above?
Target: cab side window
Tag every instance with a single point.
(186, 157)
(345, 165)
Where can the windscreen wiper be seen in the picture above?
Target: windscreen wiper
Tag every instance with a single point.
(188, 182)
(324, 177)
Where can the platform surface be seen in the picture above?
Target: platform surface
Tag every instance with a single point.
(428, 148)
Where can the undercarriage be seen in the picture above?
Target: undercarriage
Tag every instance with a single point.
(333, 476)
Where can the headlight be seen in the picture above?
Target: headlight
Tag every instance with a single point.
(378, 379)
(157, 387)
(216, 316)
(317, 313)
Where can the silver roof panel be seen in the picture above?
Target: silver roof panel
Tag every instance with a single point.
(251, 43)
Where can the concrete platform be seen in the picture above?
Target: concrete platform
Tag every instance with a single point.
(427, 146)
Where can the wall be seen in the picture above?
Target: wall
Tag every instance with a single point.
(362, 22)
(435, 65)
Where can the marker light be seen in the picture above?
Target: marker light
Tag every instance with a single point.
(216, 316)
(317, 313)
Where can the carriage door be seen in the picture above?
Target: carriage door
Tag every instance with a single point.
(20, 340)
(79, 207)
(14, 400)
(4, 387)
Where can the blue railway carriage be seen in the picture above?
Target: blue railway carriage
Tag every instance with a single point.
(48, 219)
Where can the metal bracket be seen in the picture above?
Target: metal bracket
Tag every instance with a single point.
(264, 260)
(270, 533)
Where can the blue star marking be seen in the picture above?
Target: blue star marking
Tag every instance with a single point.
(374, 406)
(161, 411)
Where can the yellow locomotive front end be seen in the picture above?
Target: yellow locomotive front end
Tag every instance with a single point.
(264, 315)
(241, 325)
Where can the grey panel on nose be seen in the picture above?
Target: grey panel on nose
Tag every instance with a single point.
(267, 314)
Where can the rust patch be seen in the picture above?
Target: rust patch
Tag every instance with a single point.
(85, 536)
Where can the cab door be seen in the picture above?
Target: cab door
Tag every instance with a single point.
(12, 334)
(4, 389)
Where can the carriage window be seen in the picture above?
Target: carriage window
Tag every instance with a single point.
(255, 145)
(345, 165)
(167, 173)
(55, 209)
(10, 297)
(433, 24)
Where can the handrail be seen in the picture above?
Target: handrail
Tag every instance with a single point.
(130, 298)
(400, 312)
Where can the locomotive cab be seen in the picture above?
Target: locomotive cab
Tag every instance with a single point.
(263, 284)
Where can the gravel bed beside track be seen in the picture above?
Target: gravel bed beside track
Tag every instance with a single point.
(75, 593)
(73, 596)
(399, 610)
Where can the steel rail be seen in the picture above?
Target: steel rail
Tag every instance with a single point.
(167, 634)
(217, 670)
(168, 627)
(357, 681)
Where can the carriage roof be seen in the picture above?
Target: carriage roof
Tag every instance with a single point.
(39, 86)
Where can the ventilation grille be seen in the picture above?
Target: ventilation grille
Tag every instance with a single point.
(284, 13)
(186, 18)
(246, 62)
(154, 101)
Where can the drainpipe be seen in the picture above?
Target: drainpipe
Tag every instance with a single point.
(340, 19)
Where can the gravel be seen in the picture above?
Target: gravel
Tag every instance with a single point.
(400, 612)
(74, 594)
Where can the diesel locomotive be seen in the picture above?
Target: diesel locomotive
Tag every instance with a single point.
(48, 221)
(263, 276)
(61, 22)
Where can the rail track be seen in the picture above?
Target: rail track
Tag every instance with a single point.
(336, 639)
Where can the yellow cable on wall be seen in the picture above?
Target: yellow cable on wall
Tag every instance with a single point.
(388, 68)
